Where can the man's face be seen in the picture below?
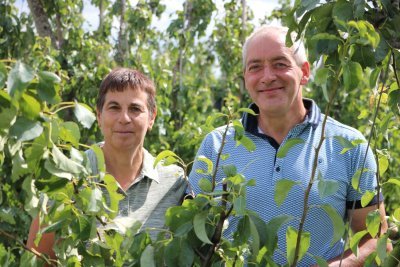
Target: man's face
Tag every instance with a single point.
(272, 77)
(125, 119)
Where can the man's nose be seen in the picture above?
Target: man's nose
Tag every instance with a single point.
(268, 74)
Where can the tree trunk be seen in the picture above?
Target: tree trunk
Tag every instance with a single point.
(122, 44)
(41, 19)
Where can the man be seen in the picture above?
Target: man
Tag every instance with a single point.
(274, 76)
(126, 111)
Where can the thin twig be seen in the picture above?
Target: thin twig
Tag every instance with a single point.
(33, 251)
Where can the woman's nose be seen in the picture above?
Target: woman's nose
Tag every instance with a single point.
(124, 117)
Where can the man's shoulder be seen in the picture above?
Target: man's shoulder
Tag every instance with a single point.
(337, 128)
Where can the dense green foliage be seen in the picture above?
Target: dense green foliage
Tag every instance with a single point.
(48, 88)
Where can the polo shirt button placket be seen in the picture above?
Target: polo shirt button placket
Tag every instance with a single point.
(278, 169)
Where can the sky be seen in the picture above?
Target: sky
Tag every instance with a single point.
(260, 8)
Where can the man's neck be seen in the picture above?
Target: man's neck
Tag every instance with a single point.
(278, 127)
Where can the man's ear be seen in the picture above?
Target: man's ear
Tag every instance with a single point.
(305, 69)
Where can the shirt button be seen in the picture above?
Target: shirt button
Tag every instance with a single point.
(124, 212)
(278, 169)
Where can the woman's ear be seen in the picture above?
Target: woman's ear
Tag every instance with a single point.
(98, 117)
(152, 119)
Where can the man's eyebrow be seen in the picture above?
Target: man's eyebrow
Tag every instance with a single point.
(252, 61)
(277, 58)
(112, 103)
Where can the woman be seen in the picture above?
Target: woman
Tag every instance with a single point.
(126, 110)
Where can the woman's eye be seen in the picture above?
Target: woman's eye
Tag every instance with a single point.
(135, 109)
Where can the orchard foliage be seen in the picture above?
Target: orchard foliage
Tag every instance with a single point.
(48, 85)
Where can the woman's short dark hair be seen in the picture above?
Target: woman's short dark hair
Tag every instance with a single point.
(121, 79)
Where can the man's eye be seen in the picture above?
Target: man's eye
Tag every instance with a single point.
(280, 65)
(253, 67)
(113, 107)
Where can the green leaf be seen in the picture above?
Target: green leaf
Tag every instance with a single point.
(239, 129)
(247, 143)
(147, 257)
(370, 260)
(208, 162)
(305, 6)
(205, 185)
(373, 78)
(92, 199)
(395, 181)
(30, 107)
(7, 216)
(359, 8)
(52, 168)
(381, 247)
(321, 262)
(355, 180)
(239, 205)
(69, 132)
(64, 163)
(255, 237)
(352, 75)
(229, 170)
(18, 78)
(282, 189)
(213, 117)
(19, 166)
(337, 223)
(373, 222)
(247, 110)
(273, 227)
(243, 231)
(100, 160)
(115, 197)
(199, 224)
(186, 254)
(321, 76)
(345, 143)
(367, 197)
(325, 36)
(291, 238)
(163, 156)
(47, 88)
(25, 130)
(54, 226)
(327, 187)
(84, 115)
(284, 149)
(3, 75)
(7, 115)
(355, 239)
(342, 11)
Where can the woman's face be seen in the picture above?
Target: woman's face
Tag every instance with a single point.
(125, 119)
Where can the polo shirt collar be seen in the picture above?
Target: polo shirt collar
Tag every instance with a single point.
(313, 116)
(147, 168)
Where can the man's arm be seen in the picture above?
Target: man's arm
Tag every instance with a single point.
(46, 243)
(368, 244)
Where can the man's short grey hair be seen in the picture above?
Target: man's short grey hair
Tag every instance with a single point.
(298, 49)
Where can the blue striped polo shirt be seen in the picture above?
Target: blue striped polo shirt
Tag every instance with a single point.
(266, 169)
